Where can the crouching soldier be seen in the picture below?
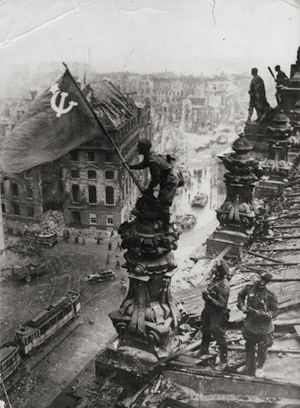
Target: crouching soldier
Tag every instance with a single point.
(215, 314)
(162, 175)
(260, 306)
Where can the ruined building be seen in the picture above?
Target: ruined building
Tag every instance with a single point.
(89, 184)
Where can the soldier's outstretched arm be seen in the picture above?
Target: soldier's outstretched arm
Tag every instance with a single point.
(138, 166)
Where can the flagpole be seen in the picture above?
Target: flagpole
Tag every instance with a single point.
(106, 134)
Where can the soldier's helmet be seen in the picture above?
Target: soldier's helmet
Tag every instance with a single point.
(144, 145)
(266, 276)
(144, 142)
(222, 267)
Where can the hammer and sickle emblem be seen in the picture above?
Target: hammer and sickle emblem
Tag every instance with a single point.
(60, 110)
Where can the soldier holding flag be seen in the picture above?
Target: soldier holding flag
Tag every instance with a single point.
(162, 174)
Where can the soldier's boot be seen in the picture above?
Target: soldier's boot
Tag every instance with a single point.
(204, 348)
(249, 367)
(262, 353)
(223, 358)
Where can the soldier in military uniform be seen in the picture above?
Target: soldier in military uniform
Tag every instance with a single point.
(258, 98)
(260, 306)
(280, 80)
(162, 174)
(215, 314)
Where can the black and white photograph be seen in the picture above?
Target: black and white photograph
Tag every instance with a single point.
(150, 203)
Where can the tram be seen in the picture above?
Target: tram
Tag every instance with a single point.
(9, 359)
(46, 323)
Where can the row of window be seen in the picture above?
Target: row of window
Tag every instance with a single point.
(14, 188)
(92, 174)
(92, 194)
(127, 128)
(8, 362)
(56, 319)
(76, 215)
(91, 156)
(16, 210)
(92, 218)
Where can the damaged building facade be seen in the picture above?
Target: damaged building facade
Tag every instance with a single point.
(89, 184)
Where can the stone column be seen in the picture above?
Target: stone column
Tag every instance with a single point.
(148, 315)
(276, 167)
(237, 215)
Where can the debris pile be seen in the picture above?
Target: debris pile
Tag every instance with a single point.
(25, 248)
(52, 223)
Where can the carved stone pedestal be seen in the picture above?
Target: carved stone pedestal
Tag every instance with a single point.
(237, 215)
(148, 316)
(290, 95)
(276, 167)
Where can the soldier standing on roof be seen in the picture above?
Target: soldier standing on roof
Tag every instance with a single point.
(258, 98)
(215, 314)
(260, 306)
(162, 174)
(281, 78)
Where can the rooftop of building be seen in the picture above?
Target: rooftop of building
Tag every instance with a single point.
(115, 107)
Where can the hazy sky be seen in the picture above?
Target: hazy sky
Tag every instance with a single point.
(183, 36)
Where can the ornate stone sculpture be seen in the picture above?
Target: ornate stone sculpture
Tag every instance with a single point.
(277, 166)
(237, 215)
(238, 211)
(290, 95)
(148, 314)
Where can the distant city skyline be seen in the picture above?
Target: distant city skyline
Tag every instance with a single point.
(149, 36)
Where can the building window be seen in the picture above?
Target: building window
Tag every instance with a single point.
(76, 217)
(91, 174)
(16, 209)
(92, 195)
(110, 220)
(2, 187)
(14, 189)
(91, 156)
(75, 193)
(3, 208)
(75, 173)
(109, 175)
(29, 191)
(108, 157)
(93, 219)
(30, 212)
(74, 155)
(109, 195)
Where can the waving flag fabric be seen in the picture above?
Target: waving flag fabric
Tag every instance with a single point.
(57, 122)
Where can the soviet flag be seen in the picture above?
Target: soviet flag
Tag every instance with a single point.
(56, 122)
